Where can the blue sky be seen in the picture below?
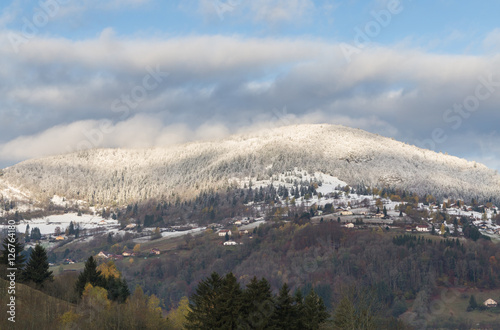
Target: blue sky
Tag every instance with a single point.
(78, 74)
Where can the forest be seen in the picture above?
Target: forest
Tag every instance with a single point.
(395, 269)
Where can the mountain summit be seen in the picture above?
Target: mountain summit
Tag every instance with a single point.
(352, 155)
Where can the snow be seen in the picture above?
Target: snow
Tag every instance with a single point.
(171, 234)
(252, 225)
(47, 225)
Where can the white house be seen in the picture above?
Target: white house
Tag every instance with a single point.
(102, 255)
(223, 232)
(230, 243)
(490, 303)
(422, 228)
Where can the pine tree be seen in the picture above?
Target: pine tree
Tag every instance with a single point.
(285, 313)
(314, 311)
(90, 275)
(37, 268)
(229, 303)
(472, 303)
(35, 234)
(257, 305)
(27, 234)
(203, 304)
(301, 320)
(71, 229)
(12, 241)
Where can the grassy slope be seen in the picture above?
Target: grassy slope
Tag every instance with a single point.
(34, 309)
(454, 302)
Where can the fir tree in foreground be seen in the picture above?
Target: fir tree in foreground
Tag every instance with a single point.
(90, 275)
(220, 303)
(37, 268)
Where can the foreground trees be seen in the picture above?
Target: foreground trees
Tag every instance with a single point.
(220, 303)
(37, 267)
(105, 276)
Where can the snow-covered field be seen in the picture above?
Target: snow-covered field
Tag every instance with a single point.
(48, 225)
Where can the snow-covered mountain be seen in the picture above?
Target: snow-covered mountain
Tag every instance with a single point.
(352, 155)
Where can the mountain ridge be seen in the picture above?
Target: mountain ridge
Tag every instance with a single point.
(119, 176)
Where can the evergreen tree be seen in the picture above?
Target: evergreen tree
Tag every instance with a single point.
(37, 267)
(301, 321)
(90, 275)
(314, 311)
(27, 234)
(285, 314)
(35, 234)
(472, 303)
(204, 314)
(257, 305)
(117, 289)
(229, 303)
(12, 242)
(71, 229)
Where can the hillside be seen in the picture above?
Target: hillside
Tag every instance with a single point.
(29, 313)
(106, 176)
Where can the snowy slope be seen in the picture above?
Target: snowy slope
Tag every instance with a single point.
(351, 155)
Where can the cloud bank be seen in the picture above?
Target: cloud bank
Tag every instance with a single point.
(159, 91)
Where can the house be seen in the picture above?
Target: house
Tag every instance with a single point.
(223, 232)
(103, 255)
(102, 222)
(349, 225)
(490, 303)
(423, 228)
(128, 254)
(230, 243)
(154, 251)
(60, 238)
(346, 213)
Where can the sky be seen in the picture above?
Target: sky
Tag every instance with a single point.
(78, 74)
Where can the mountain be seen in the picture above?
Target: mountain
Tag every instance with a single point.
(118, 176)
